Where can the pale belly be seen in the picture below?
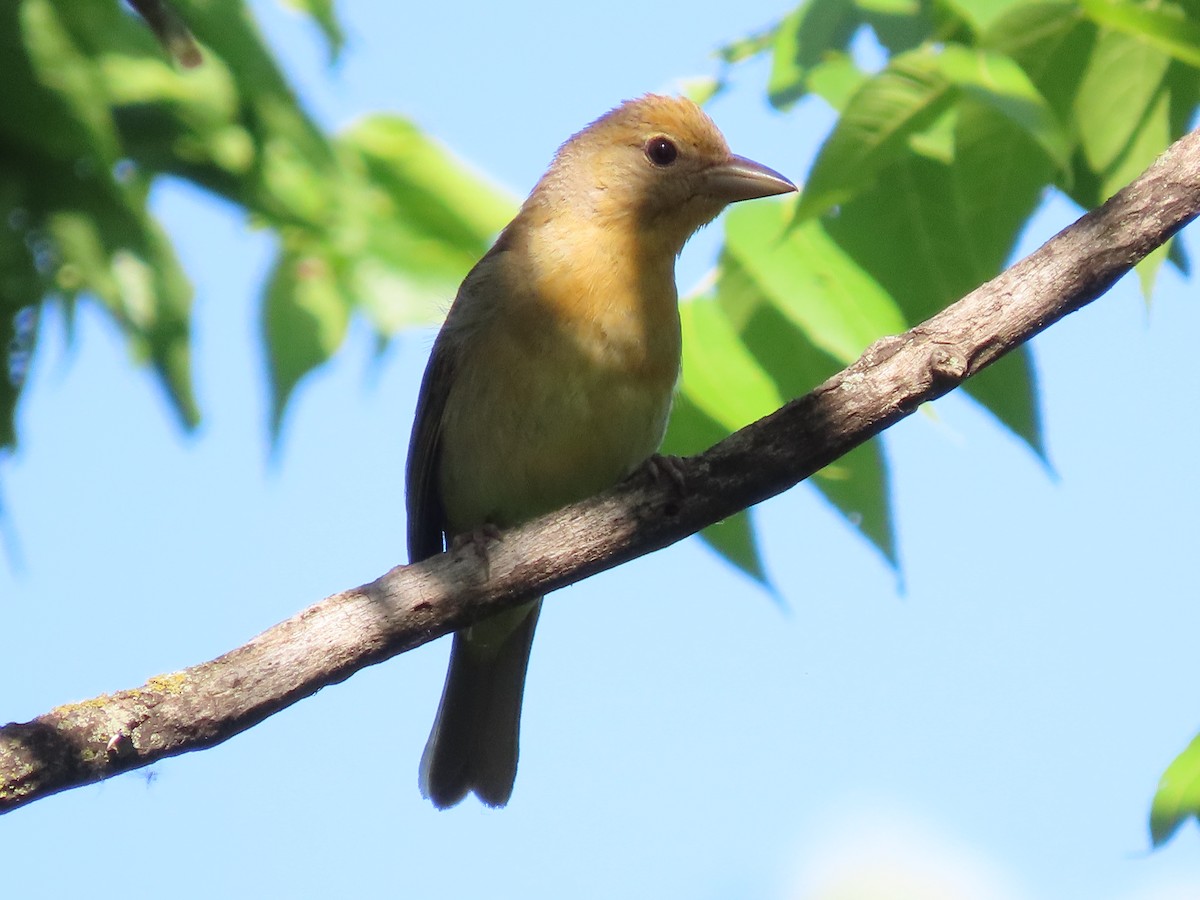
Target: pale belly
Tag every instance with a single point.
(516, 443)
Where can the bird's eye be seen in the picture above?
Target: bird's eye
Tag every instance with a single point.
(661, 150)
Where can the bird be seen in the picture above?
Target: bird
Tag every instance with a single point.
(551, 380)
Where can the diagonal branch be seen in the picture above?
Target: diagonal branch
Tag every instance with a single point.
(201, 706)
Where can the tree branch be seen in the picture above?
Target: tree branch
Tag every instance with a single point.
(206, 704)
(170, 29)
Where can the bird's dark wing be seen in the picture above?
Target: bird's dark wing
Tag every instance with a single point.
(426, 517)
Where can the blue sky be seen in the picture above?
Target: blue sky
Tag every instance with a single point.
(994, 730)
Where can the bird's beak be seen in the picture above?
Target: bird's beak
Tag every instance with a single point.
(739, 178)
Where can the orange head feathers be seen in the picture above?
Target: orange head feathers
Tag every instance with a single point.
(659, 159)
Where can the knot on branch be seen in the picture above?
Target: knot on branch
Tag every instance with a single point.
(947, 365)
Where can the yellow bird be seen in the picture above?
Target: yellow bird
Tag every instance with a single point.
(551, 380)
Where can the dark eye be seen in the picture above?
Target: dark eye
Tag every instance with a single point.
(661, 151)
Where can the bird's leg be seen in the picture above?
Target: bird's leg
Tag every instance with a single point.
(664, 469)
(477, 540)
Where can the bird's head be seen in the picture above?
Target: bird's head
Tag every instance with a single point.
(658, 163)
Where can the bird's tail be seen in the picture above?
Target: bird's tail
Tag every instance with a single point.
(473, 745)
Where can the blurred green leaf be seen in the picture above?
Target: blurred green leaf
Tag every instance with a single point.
(428, 185)
(983, 13)
(323, 14)
(305, 318)
(998, 82)
(1178, 796)
(1051, 42)
(734, 538)
(700, 89)
(903, 25)
(815, 29)
(1153, 132)
(1178, 257)
(419, 220)
(1165, 26)
(857, 484)
(789, 73)
(835, 79)
(811, 280)
(911, 95)
(692, 431)
(929, 232)
(748, 46)
(722, 388)
(873, 130)
(61, 69)
(719, 375)
(1122, 77)
(1183, 86)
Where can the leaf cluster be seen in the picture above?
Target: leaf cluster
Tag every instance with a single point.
(954, 118)
(377, 218)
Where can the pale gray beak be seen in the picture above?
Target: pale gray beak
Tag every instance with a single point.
(739, 178)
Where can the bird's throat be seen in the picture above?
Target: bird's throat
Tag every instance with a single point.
(615, 298)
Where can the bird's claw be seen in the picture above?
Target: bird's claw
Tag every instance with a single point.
(666, 469)
(477, 541)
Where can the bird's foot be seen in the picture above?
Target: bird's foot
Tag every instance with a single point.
(662, 469)
(477, 541)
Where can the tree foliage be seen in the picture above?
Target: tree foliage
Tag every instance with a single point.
(378, 219)
(954, 119)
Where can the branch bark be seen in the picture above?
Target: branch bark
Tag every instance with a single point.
(208, 703)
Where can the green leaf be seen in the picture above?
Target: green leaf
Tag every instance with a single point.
(873, 130)
(747, 47)
(1164, 26)
(1051, 42)
(427, 183)
(1178, 256)
(719, 375)
(815, 29)
(905, 8)
(734, 538)
(691, 431)
(930, 232)
(420, 218)
(155, 309)
(295, 176)
(906, 99)
(1178, 796)
(305, 320)
(903, 25)
(857, 484)
(18, 337)
(1119, 85)
(835, 79)
(700, 89)
(88, 234)
(983, 13)
(789, 74)
(820, 289)
(1183, 84)
(938, 141)
(323, 14)
(998, 82)
(1008, 390)
(61, 68)
(1151, 137)
(722, 388)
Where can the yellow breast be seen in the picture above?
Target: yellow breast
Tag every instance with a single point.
(562, 390)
